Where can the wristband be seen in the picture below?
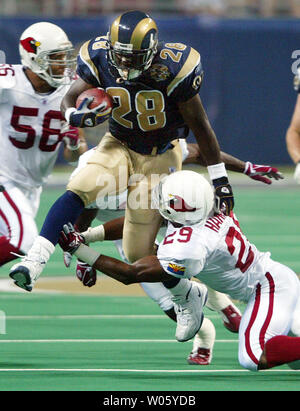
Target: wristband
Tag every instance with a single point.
(94, 234)
(87, 254)
(74, 148)
(68, 113)
(217, 171)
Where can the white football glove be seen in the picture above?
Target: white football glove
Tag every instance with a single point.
(297, 174)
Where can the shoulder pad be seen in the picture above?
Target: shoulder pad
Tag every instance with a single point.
(90, 53)
(7, 76)
(189, 64)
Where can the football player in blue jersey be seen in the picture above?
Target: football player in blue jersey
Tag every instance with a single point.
(155, 87)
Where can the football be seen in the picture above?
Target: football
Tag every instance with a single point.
(99, 96)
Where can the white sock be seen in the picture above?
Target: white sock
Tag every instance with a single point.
(217, 301)
(205, 338)
(41, 250)
(181, 289)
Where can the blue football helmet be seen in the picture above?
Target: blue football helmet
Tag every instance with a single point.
(132, 42)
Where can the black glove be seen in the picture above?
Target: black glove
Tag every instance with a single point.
(224, 201)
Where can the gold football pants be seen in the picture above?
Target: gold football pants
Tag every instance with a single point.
(112, 169)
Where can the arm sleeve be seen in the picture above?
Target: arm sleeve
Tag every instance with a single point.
(186, 268)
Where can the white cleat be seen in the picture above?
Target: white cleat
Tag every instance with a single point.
(27, 271)
(189, 311)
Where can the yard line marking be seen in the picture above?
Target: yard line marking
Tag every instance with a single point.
(102, 340)
(95, 317)
(88, 317)
(137, 370)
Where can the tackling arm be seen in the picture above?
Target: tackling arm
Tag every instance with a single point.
(261, 173)
(147, 269)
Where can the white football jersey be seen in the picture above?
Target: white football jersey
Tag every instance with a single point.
(30, 125)
(217, 253)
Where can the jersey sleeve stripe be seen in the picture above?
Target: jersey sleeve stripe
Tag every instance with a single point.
(190, 64)
(85, 57)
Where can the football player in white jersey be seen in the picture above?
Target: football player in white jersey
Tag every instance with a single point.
(115, 207)
(32, 130)
(212, 248)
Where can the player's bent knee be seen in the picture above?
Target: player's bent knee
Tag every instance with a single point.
(96, 182)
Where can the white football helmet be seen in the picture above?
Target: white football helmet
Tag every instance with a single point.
(39, 45)
(184, 197)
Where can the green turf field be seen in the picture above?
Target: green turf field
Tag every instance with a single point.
(59, 341)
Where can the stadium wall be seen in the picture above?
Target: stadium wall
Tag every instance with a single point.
(248, 82)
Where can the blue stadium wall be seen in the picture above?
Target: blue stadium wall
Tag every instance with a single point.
(248, 84)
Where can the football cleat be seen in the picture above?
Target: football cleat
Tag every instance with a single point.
(189, 311)
(202, 356)
(26, 273)
(231, 318)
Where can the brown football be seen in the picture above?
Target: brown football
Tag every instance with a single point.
(99, 96)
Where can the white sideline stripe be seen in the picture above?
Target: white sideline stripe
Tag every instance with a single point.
(95, 317)
(136, 371)
(103, 340)
(85, 317)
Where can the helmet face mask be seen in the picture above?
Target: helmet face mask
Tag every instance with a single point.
(46, 50)
(184, 197)
(132, 44)
(57, 66)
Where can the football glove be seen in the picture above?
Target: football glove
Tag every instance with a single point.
(224, 201)
(297, 174)
(69, 239)
(86, 274)
(257, 172)
(67, 259)
(83, 116)
(70, 136)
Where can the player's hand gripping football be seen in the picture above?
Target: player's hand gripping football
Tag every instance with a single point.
(84, 116)
(258, 172)
(224, 201)
(69, 239)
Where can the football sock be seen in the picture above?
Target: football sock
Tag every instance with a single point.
(217, 301)
(65, 209)
(282, 349)
(205, 338)
(171, 283)
(6, 250)
(171, 314)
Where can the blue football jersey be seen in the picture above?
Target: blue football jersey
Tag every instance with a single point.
(145, 113)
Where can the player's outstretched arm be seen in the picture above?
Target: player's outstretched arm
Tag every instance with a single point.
(257, 172)
(147, 269)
